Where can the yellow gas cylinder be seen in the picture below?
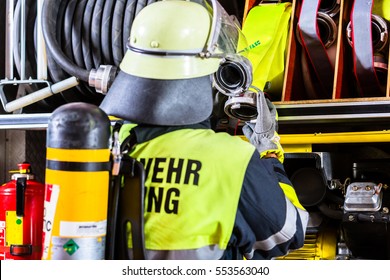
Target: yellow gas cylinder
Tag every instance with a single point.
(76, 183)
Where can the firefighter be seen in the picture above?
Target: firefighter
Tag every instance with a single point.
(208, 195)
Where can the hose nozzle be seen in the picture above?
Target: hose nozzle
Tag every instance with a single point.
(234, 75)
(102, 78)
(242, 107)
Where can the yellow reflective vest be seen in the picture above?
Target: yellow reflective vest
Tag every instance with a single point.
(191, 194)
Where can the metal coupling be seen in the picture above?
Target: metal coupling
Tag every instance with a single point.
(327, 26)
(234, 75)
(330, 7)
(242, 107)
(380, 33)
(102, 78)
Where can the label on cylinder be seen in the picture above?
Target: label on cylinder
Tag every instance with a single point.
(52, 193)
(83, 228)
(78, 248)
(73, 228)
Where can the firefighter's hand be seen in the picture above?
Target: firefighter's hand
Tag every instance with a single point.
(263, 133)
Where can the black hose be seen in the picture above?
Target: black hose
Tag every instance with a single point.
(80, 35)
(139, 6)
(335, 198)
(59, 20)
(86, 35)
(77, 36)
(128, 19)
(95, 33)
(116, 34)
(330, 213)
(65, 21)
(67, 29)
(91, 48)
(56, 72)
(106, 31)
(53, 101)
(50, 8)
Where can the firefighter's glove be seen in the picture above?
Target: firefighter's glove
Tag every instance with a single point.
(263, 133)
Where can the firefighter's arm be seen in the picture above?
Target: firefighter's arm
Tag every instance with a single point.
(263, 132)
(271, 209)
(286, 185)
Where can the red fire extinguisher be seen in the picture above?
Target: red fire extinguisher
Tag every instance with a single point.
(21, 216)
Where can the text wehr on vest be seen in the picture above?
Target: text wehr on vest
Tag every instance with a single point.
(172, 172)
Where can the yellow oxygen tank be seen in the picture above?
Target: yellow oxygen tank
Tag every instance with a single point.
(76, 183)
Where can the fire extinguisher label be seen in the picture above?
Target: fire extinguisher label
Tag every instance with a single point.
(52, 193)
(14, 226)
(2, 239)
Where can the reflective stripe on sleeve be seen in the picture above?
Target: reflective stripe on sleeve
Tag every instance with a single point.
(286, 233)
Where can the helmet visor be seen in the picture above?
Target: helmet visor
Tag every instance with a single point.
(226, 37)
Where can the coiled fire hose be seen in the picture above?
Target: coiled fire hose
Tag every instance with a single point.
(80, 36)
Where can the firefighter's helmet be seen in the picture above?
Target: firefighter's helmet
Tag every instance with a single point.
(165, 76)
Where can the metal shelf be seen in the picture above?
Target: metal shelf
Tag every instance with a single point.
(333, 112)
(33, 121)
(354, 113)
(24, 121)
(330, 117)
